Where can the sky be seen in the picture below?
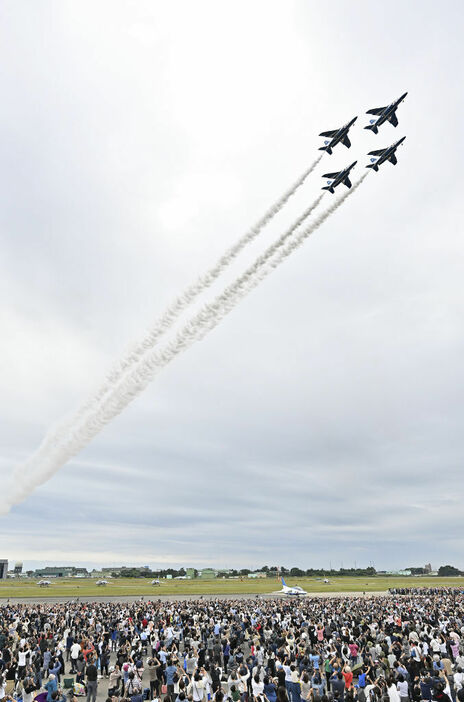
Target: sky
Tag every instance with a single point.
(321, 421)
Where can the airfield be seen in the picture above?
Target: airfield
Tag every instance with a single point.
(133, 588)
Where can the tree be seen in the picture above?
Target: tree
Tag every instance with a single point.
(448, 570)
(296, 572)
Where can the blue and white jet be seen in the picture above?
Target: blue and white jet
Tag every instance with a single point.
(336, 136)
(295, 591)
(337, 178)
(385, 114)
(383, 155)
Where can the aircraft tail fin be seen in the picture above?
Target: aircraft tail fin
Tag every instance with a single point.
(373, 165)
(329, 188)
(283, 582)
(373, 127)
(326, 148)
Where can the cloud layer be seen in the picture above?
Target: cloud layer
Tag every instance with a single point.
(322, 421)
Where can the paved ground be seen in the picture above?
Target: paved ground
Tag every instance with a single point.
(170, 598)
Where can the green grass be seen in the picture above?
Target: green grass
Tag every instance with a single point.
(72, 587)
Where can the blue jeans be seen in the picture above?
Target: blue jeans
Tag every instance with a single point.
(295, 692)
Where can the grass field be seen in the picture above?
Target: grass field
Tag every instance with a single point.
(72, 587)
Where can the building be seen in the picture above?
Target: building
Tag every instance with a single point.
(257, 575)
(207, 573)
(3, 569)
(54, 572)
(108, 571)
(80, 573)
(427, 568)
(18, 569)
(190, 573)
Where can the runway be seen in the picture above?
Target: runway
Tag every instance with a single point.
(179, 598)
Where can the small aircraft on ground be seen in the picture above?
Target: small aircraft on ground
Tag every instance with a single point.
(101, 582)
(383, 155)
(44, 583)
(336, 136)
(385, 114)
(337, 178)
(155, 582)
(295, 591)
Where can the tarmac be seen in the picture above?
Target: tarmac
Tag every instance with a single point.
(180, 598)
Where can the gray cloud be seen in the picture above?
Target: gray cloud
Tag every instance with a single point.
(322, 421)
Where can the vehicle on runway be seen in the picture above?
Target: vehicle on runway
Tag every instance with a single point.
(385, 114)
(383, 155)
(155, 582)
(295, 591)
(44, 583)
(337, 178)
(336, 136)
(101, 582)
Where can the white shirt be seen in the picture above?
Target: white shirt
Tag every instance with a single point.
(198, 690)
(258, 688)
(458, 680)
(403, 689)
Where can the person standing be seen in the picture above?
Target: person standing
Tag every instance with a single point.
(92, 681)
(74, 655)
(51, 686)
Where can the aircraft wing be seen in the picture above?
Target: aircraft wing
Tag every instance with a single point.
(347, 182)
(347, 142)
(377, 152)
(331, 175)
(393, 119)
(329, 134)
(376, 111)
(393, 159)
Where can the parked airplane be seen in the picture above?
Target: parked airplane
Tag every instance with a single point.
(296, 591)
(337, 135)
(387, 113)
(101, 582)
(383, 155)
(155, 582)
(340, 177)
(44, 583)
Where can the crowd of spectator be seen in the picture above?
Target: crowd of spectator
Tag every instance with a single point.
(403, 647)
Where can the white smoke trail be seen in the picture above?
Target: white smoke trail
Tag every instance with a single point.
(71, 436)
(41, 467)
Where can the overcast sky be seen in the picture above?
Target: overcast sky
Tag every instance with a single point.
(322, 421)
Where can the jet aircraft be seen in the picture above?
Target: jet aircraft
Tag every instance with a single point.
(155, 582)
(383, 155)
(336, 136)
(44, 583)
(101, 582)
(296, 591)
(337, 178)
(385, 114)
